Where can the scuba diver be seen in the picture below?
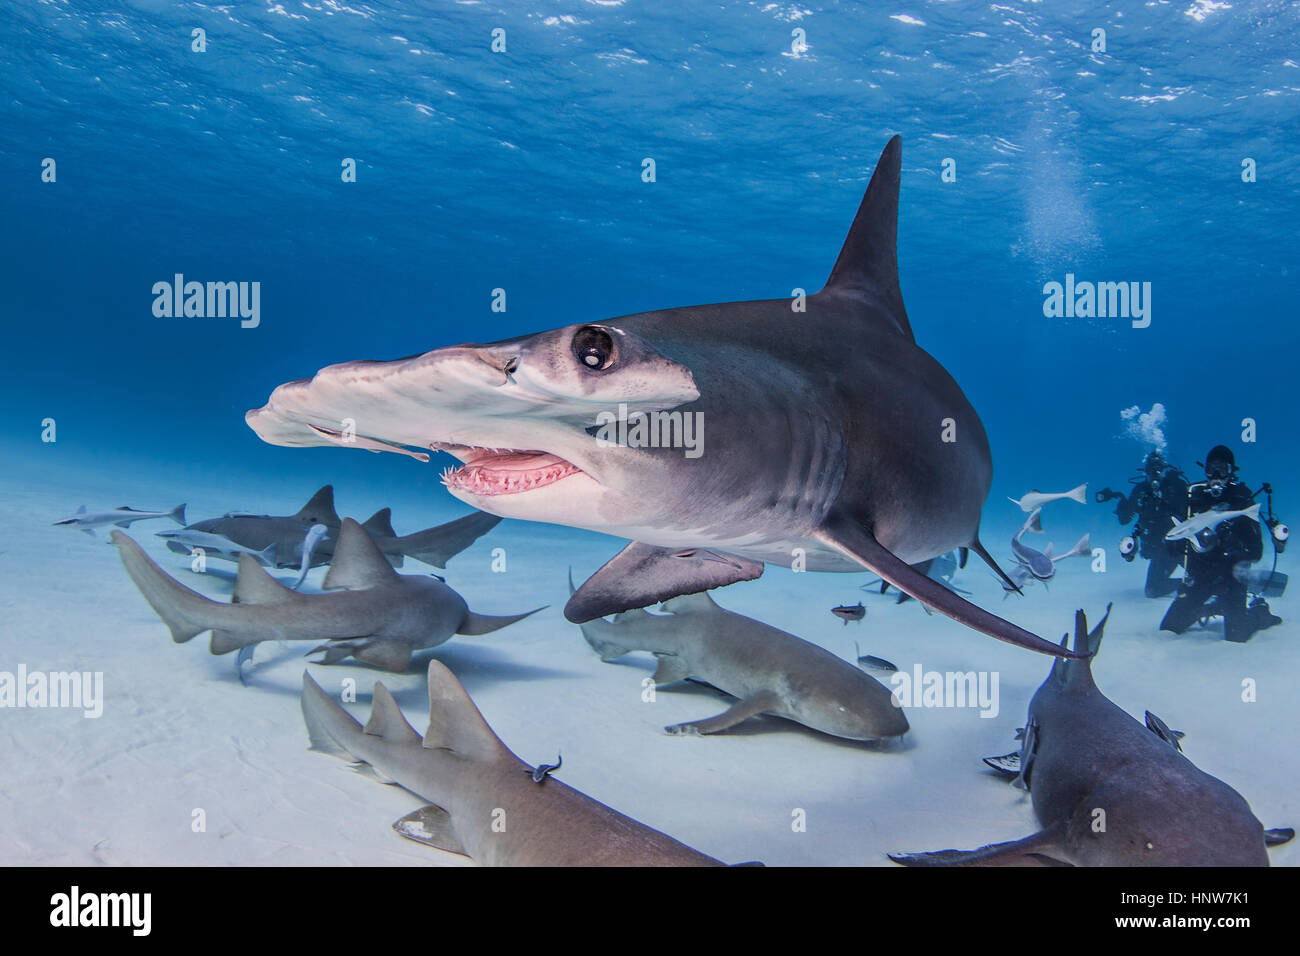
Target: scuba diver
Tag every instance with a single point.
(1217, 575)
(1159, 496)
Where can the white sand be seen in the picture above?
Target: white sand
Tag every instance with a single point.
(180, 732)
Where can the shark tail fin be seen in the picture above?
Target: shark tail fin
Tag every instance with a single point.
(1082, 548)
(1079, 494)
(867, 266)
(454, 722)
(386, 719)
(185, 612)
(177, 514)
(439, 545)
(1034, 523)
(1088, 643)
(487, 623)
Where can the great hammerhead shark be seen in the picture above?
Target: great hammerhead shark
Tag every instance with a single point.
(834, 443)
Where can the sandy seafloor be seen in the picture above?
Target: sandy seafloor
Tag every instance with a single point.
(180, 732)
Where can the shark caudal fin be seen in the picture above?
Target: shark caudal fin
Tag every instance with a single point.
(177, 514)
(185, 612)
(475, 624)
(454, 722)
(437, 546)
(1078, 673)
(357, 563)
(867, 267)
(1079, 494)
(319, 508)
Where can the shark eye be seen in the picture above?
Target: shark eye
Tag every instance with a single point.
(594, 348)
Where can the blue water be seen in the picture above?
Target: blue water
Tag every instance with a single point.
(521, 170)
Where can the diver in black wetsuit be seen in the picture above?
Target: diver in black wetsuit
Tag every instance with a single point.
(1210, 586)
(1158, 498)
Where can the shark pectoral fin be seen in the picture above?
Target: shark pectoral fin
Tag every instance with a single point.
(223, 642)
(431, 826)
(1278, 835)
(333, 651)
(852, 540)
(1041, 849)
(641, 575)
(671, 668)
(394, 656)
(89, 531)
(487, 623)
(741, 710)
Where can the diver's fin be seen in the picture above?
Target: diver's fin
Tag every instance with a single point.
(641, 575)
(852, 540)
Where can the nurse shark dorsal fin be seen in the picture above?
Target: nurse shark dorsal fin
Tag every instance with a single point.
(1078, 673)
(319, 508)
(254, 586)
(386, 719)
(357, 563)
(641, 575)
(867, 267)
(847, 536)
(454, 722)
(381, 522)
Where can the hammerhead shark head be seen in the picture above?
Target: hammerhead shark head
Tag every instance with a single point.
(1110, 792)
(834, 443)
(288, 532)
(486, 803)
(373, 614)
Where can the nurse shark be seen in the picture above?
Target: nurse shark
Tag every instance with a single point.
(834, 442)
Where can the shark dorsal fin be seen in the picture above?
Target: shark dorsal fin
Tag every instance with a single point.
(357, 563)
(1079, 672)
(81, 510)
(319, 508)
(386, 719)
(454, 722)
(381, 523)
(691, 603)
(254, 586)
(867, 266)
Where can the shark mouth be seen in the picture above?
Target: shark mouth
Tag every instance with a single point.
(494, 471)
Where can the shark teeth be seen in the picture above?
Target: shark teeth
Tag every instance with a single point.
(490, 472)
